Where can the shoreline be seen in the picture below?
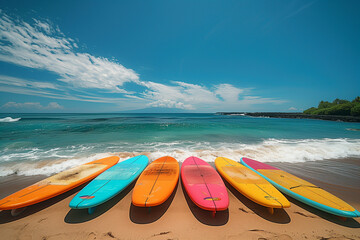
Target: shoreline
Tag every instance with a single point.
(179, 218)
(294, 115)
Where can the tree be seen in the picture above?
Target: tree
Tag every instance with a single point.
(355, 110)
(324, 104)
(310, 110)
(356, 100)
(340, 101)
(337, 107)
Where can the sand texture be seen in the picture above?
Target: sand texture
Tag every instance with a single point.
(177, 218)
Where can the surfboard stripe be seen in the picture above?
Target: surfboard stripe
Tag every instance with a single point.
(308, 188)
(317, 194)
(94, 192)
(5, 202)
(202, 176)
(158, 174)
(204, 185)
(33, 191)
(156, 183)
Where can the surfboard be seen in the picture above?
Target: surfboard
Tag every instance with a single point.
(204, 185)
(156, 183)
(57, 184)
(109, 183)
(250, 184)
(302, 190)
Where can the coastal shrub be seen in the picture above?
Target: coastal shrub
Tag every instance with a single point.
(337, 107)
(355, 110)
(324, 104)
(310, 110)
(340, 109)
(340, 101)
(356, 100)
(321, 111)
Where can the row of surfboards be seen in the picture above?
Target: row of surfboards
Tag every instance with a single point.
(257, 181)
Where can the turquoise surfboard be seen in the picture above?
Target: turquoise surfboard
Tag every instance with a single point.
(109, 183)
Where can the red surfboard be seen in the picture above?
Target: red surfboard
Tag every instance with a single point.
(204, 185)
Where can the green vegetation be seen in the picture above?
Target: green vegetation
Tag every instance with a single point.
(337, 107)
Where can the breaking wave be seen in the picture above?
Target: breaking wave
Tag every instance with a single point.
(9, 119)
(36, 161)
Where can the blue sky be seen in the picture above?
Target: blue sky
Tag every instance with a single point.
(198, 56)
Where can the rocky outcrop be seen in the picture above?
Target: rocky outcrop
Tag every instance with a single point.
(295, 115)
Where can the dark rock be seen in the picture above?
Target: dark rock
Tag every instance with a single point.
(295, 115)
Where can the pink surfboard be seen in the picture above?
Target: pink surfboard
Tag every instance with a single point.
(204, 185)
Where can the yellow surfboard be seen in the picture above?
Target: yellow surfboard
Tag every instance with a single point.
(250, 184)
(302, 190)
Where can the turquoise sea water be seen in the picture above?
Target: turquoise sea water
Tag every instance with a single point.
(49, 143)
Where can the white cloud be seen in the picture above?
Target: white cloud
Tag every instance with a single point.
(293, 109)
(228, 92)
(43, 26)
(42, 47)
(180, 95)
(33, 105)
(166, 103)
(54, 105)
(192, 96)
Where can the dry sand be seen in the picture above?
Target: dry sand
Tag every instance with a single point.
(178, 218)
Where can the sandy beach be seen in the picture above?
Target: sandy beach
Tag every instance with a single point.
(178, 218)
(272, 81)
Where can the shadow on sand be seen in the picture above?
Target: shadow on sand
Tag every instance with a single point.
(279, 215)
(204, 216)
(349, 222)
(81, 215)
(144, 215)
(6, 217)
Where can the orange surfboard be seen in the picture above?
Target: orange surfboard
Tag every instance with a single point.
(57, 184)
(156, 183)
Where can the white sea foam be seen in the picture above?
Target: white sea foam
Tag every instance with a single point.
(12, 154)
(274, 150)
(270, 150)
(9, 119)
(47, 167)
(237, 114)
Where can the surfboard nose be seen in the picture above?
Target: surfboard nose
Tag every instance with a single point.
(357, 213)
(74, 203)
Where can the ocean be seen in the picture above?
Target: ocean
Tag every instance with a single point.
(44, 144)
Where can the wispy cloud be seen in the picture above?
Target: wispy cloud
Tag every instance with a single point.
(291, 9)
(19, 82)
(299, 10)
(33, 105)
(84, 77)
(50, 90)
(42, 47)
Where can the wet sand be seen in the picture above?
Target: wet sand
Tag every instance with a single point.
(179, 218)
